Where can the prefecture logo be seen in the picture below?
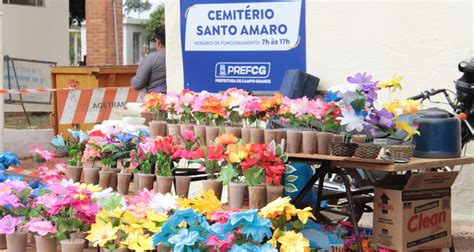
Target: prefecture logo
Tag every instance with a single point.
(239, 70)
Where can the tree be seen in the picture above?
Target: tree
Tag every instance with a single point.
(77, 12)
(157, 18)
(137, 6)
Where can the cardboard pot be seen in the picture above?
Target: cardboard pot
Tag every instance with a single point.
(74, 173)
(270, 135)
(186, 126)
(105, 178)
(200, 131)
(17, 242)
(173, 129)
(236, 195)
(235, 131)
(76, 245)
(213, 184)
(145, 181)
(44, 244)
(310, 142)
(114, 178)
(245, 135)
(257, 136)
(164, 184)
(274, 192)
(3, 241)
(324, 141)
(212, 133)
(182, 185)
(257, 197)
(123, 183)
(157, 128)
(91, 175)
(293, 141)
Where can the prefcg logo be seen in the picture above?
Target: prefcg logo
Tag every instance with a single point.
(259, 70)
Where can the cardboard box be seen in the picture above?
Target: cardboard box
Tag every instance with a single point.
(413, 212)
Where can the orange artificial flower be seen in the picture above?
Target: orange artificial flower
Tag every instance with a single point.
(226, 139)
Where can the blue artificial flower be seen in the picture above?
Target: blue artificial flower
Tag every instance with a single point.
(58, 142)
(78, 135)
(74, 133)
(237, 218)
(83, 137)
(7, 159)
(184, 239)
(331, 97)
(258, 229)
(361, 113)
(144, 133)
(169, 227)
(125, 137)
(267, 247)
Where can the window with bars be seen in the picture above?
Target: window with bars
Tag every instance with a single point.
(25, 2)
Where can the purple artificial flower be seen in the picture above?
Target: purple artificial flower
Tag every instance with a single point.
(385, 117)
(361, 79)
(8, 224)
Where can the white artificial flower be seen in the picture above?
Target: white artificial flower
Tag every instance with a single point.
(349, 97)
(351, 120)
(107, 193)
(67, 182)
(163, 203)
(344, 88)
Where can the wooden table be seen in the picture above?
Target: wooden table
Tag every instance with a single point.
(340, 165)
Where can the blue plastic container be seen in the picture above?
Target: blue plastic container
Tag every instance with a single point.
(440, 135)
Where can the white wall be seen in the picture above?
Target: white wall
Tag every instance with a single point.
(39, 33)
(130, 26)
(422, 40)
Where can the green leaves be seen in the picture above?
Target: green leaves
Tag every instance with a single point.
(254, 176)
(290, 188)
(227, 174)
(358, 104)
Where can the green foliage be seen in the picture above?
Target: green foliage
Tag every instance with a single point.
(228, 173)
(254, 176)
(136, 6)
(157, 18)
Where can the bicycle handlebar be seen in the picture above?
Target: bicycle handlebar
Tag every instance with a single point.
(427, 94)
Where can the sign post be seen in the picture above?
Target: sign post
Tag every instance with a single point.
(247, 44)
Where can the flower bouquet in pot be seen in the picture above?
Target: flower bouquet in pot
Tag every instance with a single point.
(255, 119)
(210, 111)
(188, 143)
(92, 155)
(16, 207)
(210, 158)
(234, 102)
(310, 112)
(184, 108)
(165, 165)
(172, 118)
(45, 234)
(274, 163)
(143, 160)
(74, 147)
(290, 112)
(125, 143)
(155, 104)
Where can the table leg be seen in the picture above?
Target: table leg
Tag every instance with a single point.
(319, 173)
(347, 186)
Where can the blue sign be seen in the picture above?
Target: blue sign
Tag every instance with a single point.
(244, 44)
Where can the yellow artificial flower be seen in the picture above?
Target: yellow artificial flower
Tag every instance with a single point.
(291, 242)
(206, 203)
(274, 240)
(238, 152)
(154, 221)
(138, 242)
(274, 208)
(101, 233)
(304, 214)
(90, 187)
(408, 129)
(116, 213)
(392, 84)
(411, 106)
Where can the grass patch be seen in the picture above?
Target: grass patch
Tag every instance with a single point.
(17, 120)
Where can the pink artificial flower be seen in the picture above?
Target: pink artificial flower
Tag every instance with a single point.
(138, 210)
(8, 199)
(8, 224)
(188, 135)
(52, 176)
(220, 216)
(224, 245)
(144, 196)
(44, 154)
(17, 185)
(90, 152)
(41, 227)
(186, 154)
(148, 146)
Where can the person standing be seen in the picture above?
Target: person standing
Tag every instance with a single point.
(151, 74)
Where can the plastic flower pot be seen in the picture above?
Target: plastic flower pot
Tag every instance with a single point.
(164, 184)
(212, 133)
(182, 185)
(310, 142)
(274, 192)
(17, 242)
(74, 173)
(245, 135)
(213, 184)
(235, 131)
(257, 197)
(173, 129)
(91, 175)
(145, 181)
(236, 194)
(257, 136)
(105, 177)
(157, 128)
(44, 244)
(76, 245)
(270, 135)
(324, 141)
(114, 178)
(200, 131)
(293, 141)
(123, 183)
(3, 241)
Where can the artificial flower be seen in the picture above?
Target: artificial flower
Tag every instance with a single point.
(351, 120)
(8, 224)
(291, 241)
(393, 84)
(101, 233)
(41, 227)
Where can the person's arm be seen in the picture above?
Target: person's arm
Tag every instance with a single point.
(142, 77)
